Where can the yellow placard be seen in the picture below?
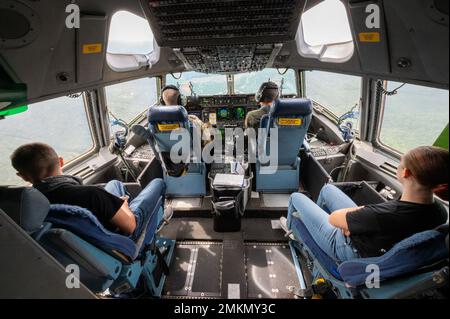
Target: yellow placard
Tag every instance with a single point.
(370, 37)
(168, 127)
(93, 48)
(290, 122)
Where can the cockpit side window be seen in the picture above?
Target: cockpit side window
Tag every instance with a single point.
(62, 123)
(338, 94)
(413, 116)
(128, 100)
(325, 34)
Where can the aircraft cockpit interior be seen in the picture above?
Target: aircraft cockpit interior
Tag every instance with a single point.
(190, 150)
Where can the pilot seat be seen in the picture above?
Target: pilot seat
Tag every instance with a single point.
(291, 117)
(188, 178)
(75, 237)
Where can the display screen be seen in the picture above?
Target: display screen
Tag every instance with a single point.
(239, 113)
(223, 113)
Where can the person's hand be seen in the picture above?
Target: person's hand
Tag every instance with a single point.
(346, 233)
(125, 198)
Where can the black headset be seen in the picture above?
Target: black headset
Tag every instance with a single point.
(181, 99)
(261, 94)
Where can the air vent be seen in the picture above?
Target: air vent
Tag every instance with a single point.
(10, 18)
(19, 24)
(389, 168)
(85, 173)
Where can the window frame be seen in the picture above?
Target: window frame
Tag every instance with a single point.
(92, 129)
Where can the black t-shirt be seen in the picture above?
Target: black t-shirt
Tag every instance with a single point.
(68, 190)
(375, 229)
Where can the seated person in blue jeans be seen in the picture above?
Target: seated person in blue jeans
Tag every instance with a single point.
(39, 165)
(345, 232)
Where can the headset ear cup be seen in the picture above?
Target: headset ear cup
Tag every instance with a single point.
(182, 100)
(259, 94)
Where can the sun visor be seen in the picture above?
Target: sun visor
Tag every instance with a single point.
(91, 47)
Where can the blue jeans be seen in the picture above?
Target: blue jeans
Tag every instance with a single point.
(143, 205)
(315, 217)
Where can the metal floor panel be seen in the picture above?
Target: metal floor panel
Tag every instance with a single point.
(195, 271)
(270, 271)
(199, 270)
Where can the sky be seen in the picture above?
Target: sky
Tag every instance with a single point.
(326, 23)
(129, 28)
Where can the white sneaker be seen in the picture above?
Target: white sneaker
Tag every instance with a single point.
(168, 213)
(283, 223)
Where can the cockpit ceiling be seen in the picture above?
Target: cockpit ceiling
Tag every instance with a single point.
(181, 23)
(224, 36)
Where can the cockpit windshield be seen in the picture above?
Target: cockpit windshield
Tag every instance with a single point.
(194, 83)
(248, 83)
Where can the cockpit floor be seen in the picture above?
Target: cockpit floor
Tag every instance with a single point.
(212, 270)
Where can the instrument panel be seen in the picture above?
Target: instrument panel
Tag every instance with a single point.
(222, 111)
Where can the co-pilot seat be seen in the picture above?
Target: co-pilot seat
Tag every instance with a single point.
(170, 121)
(291, 118)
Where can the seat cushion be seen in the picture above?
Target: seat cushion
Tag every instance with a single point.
(302, 233)
(84, 224)
(291, 107)
(25, 205)
(167, 114)
(410, 255)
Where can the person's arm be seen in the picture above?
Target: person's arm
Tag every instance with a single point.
(124, 219)
(339, 219)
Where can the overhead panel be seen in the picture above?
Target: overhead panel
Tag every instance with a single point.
(224, 36)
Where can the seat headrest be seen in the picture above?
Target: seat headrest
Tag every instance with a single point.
(25, 205)
(291, 107)
(167, 114)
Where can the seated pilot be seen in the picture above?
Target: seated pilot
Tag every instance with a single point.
(265, 97)
(171, 95)
(39, 165)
